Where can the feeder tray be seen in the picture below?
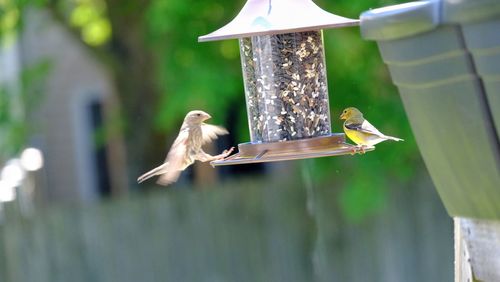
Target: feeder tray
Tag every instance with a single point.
(285, 81)
(324, 146)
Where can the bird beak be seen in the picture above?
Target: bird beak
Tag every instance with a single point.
(207, 116)
(342, 116)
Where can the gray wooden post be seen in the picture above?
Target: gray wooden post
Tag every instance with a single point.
(477, 250)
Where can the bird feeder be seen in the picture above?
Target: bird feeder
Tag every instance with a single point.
(284, 73)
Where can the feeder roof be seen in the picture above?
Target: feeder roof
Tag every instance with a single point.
(261, 17)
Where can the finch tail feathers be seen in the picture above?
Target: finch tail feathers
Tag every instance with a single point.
(151, 173)
(394, 138)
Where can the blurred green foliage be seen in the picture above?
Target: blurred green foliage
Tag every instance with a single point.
(17, 96)
(194, 75)
(12, 129)
(357, 77)
(90, 17)
(17, 99)
(9, 17)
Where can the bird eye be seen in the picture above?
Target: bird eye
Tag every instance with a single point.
(345, 112)
(198, 114)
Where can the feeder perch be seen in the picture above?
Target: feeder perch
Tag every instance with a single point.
(284, 73)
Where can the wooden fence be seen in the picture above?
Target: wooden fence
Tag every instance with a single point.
(249, 232)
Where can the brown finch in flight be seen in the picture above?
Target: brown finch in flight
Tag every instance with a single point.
(187, 148)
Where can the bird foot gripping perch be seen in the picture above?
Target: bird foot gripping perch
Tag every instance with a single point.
(361, 149)
(357, 149)
(225, 155)
(222, 156)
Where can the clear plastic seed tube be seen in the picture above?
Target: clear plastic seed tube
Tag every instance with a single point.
(285, 86)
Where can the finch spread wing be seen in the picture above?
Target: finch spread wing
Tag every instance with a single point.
(177, 159)
(210, 132)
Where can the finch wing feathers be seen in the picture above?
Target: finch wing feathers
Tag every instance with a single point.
(210, 132)
(365, 127)
(179, 147)
(369, 128)
(176, 159)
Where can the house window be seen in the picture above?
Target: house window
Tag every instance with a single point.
(100, 163)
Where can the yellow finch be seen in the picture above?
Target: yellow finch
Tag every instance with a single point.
(187, 148)
(360, 131)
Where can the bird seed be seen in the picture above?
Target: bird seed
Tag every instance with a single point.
(285, 86)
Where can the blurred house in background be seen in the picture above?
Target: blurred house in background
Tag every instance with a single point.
(70, 120)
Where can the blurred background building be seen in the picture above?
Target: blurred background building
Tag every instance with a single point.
(77, 100)
(77, 95)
